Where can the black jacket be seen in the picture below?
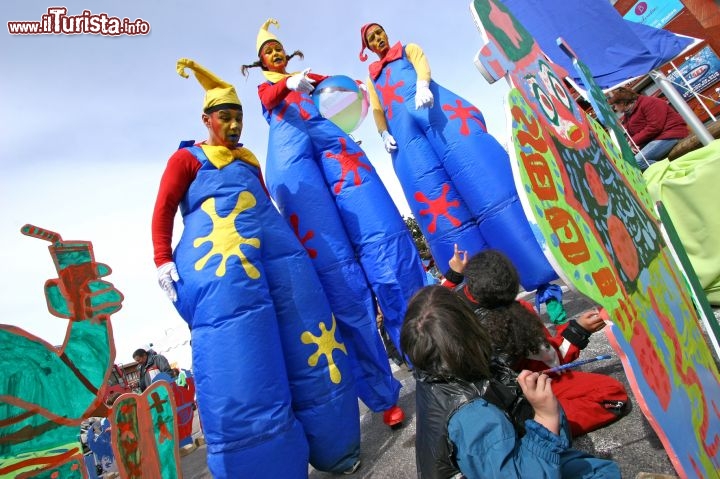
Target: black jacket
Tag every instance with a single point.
(437, 399)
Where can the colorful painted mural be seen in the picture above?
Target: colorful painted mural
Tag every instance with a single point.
(610, 121)
(144, 434)
(594, 211)
(45, 396)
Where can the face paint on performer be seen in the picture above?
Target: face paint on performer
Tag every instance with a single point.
(273, 57)
(377, 40)
(224, 127)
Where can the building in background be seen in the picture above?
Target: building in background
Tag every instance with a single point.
(131, 372)
(696, 74)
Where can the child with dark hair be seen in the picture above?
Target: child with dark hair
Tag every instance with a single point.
(469, 423)
(521, 340)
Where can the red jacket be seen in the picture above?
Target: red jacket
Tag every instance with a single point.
(653, 119)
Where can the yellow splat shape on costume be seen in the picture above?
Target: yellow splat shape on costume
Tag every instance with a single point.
(326, 343)
(225, 239)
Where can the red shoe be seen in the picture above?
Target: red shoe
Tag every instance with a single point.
(394, 417)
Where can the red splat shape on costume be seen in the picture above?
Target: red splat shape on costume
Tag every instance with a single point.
(465, 114)
(295, 98)
(295, 223)
(438, 207)
(387, 91)
(349, 162)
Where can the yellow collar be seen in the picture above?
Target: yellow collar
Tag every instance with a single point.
(275, 77)
(221, 156)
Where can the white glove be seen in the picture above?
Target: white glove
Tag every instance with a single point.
(390, 144)
(300, 82)
(167, 276)
(423, 95)
(363, 87)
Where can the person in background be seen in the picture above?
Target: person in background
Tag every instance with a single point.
(653, 125)
(151, 364)
(462, 425)
(521, 341)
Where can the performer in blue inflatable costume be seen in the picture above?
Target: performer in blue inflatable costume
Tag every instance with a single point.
(329, 191)
(274, 384)
(456, 177)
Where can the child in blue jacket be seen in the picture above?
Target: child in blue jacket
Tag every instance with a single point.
(466, 423)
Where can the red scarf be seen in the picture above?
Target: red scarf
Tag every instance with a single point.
(394, 53)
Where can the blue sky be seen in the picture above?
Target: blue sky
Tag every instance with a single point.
(89, 122)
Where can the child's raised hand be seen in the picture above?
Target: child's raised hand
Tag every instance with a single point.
(538, 391)
(459, 260)
(591, 321)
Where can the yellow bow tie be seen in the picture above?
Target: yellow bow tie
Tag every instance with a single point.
(221, 156)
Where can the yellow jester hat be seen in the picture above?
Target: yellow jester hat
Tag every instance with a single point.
(219, 94)
(263, 37)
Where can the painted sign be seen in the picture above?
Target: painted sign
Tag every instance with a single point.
(144, 434)
(46, 391)
(654, 13)
(594, 212)
(700, 71)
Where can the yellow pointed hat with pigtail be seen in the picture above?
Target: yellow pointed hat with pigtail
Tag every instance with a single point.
(263, 37)
(219, 94)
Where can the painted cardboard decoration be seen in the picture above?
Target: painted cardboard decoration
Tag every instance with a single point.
(101, 443)
(607, 117)
(603, 110)
(144, 433)
(184, 399)
(46, 391)
(595, 213)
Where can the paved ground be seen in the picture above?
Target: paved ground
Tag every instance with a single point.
(388, 454)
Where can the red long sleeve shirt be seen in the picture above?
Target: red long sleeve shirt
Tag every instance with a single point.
(180, 172)
(271, 94)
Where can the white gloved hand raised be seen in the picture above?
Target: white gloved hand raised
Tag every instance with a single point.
(300, 82)
(167, 276)
(423, 96)
(389, 141)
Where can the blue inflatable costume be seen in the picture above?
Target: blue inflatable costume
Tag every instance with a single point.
(456, 177)
(327, 189)
(274, 385)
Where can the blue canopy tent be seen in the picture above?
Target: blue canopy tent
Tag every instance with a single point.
(614, 49)
(617, 50)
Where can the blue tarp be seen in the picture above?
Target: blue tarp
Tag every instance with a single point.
(613, 48)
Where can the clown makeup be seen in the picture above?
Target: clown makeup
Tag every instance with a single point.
(377, 40)
(225, 127)
(273, 57)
